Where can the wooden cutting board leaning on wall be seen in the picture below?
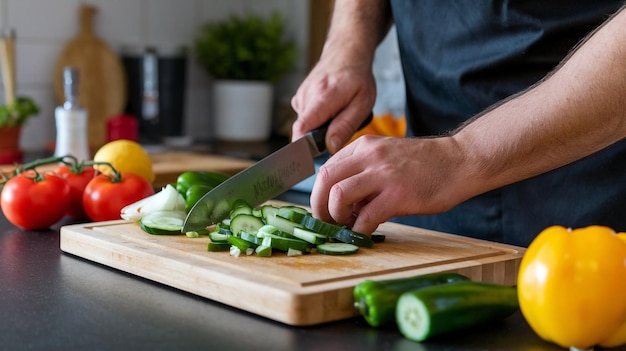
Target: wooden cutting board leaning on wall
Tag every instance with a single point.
(102, 85)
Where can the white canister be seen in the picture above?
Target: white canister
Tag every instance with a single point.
(243, 110)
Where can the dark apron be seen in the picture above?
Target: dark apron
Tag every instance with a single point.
(460, 57)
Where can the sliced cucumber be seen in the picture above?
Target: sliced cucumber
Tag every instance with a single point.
(241, 209)
(283, 224)
(337, 249)
(241, 244)
(222, 229)
(309, 236)
(268, 211)
(245, 223)
(349, 236)
(263, 251)
(251, 238)
(214, 247)
(266, 229)
(218, 237)
(281, 234)
(267, 241)
(293, 213)
(319, 226)
(163, 222)
(284, 244)
(225, 223)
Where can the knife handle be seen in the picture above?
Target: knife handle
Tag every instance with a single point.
(319, 133)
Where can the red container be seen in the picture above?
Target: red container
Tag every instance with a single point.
(122, 127)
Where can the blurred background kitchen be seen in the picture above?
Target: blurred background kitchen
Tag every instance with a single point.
(131, 27)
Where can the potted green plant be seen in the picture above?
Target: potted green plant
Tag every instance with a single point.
(17, 110)
(12, 118)
(246, 55)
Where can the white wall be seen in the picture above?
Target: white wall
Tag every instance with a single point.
(43, 27)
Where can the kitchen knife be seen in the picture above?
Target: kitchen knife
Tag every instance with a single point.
(264, 180)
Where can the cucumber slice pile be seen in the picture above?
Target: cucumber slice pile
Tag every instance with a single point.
(289, 229)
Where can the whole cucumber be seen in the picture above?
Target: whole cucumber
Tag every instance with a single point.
(376, 299)
(431, 311)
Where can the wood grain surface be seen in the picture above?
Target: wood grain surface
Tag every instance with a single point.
(102, 89)
(302, 290)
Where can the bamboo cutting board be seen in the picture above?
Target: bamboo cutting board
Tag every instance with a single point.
(301, 290)
(102, 85)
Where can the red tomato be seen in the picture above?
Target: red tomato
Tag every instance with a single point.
(77, 183)
(103, 199)
(32, 201)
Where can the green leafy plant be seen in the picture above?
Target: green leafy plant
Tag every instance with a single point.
(246, 48)
(18, 113)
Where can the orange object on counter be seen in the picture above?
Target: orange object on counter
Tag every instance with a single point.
(385, 125)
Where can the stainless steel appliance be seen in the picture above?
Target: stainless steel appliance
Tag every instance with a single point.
(156, 86)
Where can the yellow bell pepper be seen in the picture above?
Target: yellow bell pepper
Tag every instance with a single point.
(572, 286)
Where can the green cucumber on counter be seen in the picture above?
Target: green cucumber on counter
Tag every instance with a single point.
(440, 309)
(375, 300)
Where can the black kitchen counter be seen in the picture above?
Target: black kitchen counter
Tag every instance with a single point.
(50, 300)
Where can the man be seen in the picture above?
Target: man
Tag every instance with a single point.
(539, 154)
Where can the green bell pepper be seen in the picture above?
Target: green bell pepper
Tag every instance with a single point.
(187, 179)
(376, 300)
(195, 193)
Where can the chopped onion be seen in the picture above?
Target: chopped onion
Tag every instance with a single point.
(294, 252)
(234, 251)
(168, 199)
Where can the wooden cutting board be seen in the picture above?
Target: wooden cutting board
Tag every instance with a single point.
(301, 290)
(102, 87)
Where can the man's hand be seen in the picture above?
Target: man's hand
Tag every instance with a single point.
(345, 94)
(376, 178)
(342, 86)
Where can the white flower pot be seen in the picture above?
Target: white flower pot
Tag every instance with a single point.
(243, 110)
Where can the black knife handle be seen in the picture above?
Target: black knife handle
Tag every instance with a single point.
(319, 133)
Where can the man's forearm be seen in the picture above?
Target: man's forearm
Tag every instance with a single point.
(576, 111)
(356, 29)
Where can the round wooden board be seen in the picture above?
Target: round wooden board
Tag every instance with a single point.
(102, 85)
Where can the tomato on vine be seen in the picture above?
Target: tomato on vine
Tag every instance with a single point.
(105, 196)
(77, 177)
(31, 200)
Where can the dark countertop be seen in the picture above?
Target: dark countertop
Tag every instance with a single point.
(50, 300)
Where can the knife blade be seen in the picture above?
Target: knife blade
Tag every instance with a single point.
(264, 180)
